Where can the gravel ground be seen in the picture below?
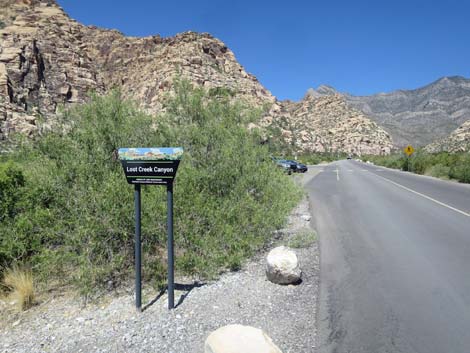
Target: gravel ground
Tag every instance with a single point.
(286, 313)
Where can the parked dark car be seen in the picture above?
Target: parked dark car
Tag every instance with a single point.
(299, 167)
(286, 165)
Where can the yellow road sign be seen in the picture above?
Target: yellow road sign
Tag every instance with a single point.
(409, 150)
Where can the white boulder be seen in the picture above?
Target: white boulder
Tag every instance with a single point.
(282, 266)
(239, 339)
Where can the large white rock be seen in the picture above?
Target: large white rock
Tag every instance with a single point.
(239, 339)
(282, 266)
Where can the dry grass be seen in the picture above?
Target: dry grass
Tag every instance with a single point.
(21, 287)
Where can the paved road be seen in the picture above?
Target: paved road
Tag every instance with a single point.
(395, 261)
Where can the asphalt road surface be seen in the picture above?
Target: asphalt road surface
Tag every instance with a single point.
(395, 261)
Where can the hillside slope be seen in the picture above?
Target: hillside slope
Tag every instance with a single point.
(457, 141)
(49, 61)
(327, 124)
(419, 116)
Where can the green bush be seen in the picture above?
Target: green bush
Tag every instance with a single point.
(461, 169)
(438, 171)
(76, 220)
(442, 165)
(11, 184)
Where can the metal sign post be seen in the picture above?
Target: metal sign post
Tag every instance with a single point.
(154, 166)
(171, 260)
(138, 250)
(409, 150)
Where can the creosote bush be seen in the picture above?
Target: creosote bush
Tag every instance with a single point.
(70, 212)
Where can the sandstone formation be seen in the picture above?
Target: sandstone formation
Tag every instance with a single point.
(327, 124)
(49, 61)
(239, 339)
(282, 266)
(457, 141)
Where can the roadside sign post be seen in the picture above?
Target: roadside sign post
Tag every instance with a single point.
(137, 249)
(409, 150)
(171, 260)
(151, 166)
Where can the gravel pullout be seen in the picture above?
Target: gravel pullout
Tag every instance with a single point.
(286, 313)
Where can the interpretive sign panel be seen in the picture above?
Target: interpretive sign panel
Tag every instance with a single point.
(155, 165)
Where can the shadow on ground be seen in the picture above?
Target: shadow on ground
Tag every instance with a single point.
(186, 288)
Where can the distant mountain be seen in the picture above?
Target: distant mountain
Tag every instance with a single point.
(419, 116)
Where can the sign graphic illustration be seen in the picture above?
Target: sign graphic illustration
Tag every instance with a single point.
(156, 165)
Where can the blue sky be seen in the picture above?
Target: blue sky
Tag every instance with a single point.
(360, 47)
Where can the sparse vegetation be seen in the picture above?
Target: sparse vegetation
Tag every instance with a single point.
(20, 287)
(303, 238)
(441, 165)
(221, 92)
(68, 211)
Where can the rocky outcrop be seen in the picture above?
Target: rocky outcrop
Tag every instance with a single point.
(327, 124)
(49, 61)
(239, 339)
(457, 141)
(42, 63)
(419, 116)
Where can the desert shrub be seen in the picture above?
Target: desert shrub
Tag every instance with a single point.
(395, 161)
(461, 169)
(438, 171)
(11, 185)
(303, 238)
(20, 286)
(76, 221)
(442, 165)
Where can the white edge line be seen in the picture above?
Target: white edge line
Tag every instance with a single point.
(426, 197)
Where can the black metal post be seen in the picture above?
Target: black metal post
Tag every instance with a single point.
(138, 250)
(169, 223)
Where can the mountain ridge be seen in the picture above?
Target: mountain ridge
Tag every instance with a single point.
(419, 116)
(48, 60)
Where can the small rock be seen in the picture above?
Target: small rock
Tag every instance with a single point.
(239, 339)
(306, 217)
(282, 266)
